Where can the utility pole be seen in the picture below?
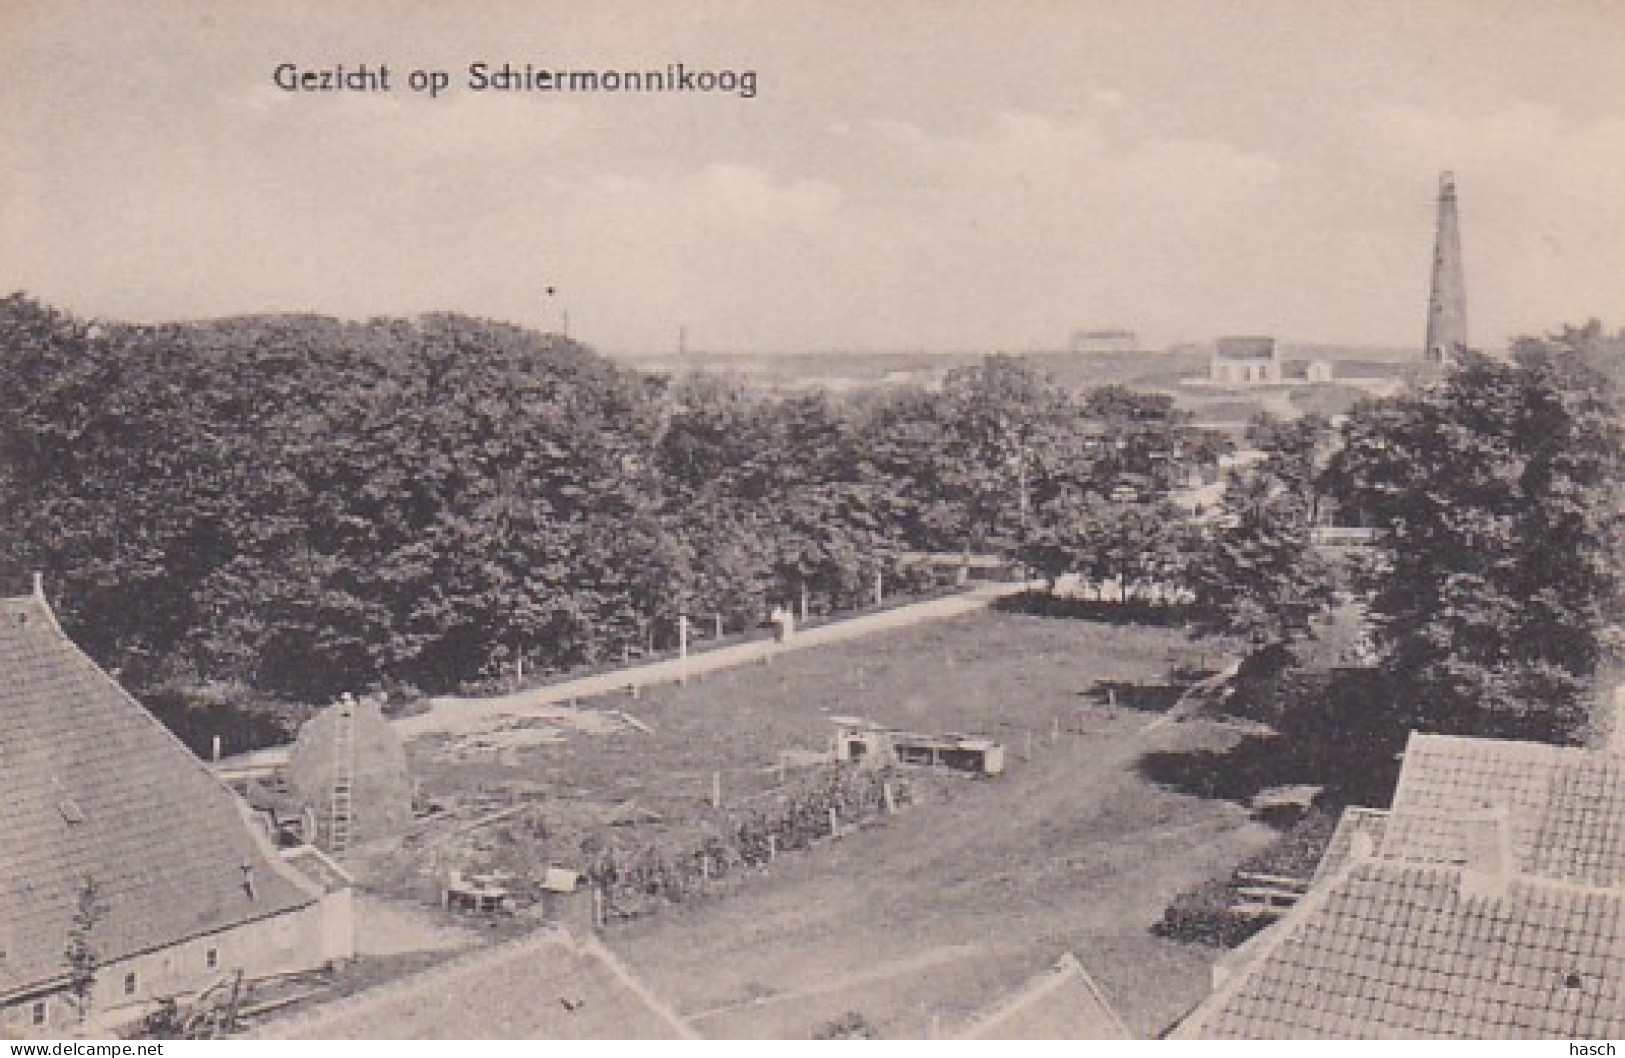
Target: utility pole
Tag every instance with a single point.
(564, 327)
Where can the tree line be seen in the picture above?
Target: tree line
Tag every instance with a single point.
(1494, 589)
(303, 505)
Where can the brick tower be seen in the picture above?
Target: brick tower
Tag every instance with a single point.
(1447, 299)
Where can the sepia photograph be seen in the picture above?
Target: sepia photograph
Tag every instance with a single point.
(812, 519)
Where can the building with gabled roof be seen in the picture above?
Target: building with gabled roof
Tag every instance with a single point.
(1564, 806)
(98, 792)
(1488, 902)
(1393, 950)
(1062, 1003)
(547, 985)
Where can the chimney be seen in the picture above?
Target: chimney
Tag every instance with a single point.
(39, 585)
(1487, 866)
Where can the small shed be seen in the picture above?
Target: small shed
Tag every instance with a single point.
(479, 892)
(569, 900)
(859, 741)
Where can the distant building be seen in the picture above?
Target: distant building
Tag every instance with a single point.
(1106, 341)
(1320, 372)
(115, 833)
(1241, 361)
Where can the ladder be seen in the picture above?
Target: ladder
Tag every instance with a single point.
(340, 809)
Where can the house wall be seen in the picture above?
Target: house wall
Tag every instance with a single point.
(1242, 372)
(296, 941)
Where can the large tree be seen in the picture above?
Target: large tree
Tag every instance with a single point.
(1500, 488)
(1255, 573)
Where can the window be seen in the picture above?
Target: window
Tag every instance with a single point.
(129, 983)
(211, 959)
(41, 1012)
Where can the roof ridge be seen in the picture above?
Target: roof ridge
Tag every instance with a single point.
(1041, 986)
(278, 1027)
(1191, 1025)
(1522, 744)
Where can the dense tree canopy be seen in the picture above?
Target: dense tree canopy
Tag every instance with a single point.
(1500, 492)
(1255, 574)
(306, 505)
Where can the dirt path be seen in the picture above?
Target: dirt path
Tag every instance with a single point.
(1071, 851)
(453, 715)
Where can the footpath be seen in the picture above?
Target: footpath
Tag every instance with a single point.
(458, 715)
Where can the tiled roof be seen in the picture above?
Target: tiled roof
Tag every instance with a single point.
(544, 986)
(1393, 950)
(1063, 1003)
(1565, 807)
(1363, 826)
(1488, 902)
(95, 786)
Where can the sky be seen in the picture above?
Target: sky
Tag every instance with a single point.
(946, 175)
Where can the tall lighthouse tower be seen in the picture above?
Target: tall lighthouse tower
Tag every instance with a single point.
(1447, 299)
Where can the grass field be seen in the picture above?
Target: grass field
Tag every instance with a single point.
(921, 922)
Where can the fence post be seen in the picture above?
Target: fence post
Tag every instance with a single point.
(891, 799)
(834, 823)
(682, 648)
(716, 789)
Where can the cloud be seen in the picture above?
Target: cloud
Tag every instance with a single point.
(1014, 230)
(1542, 214)
(409, 125)
(1076, 168)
